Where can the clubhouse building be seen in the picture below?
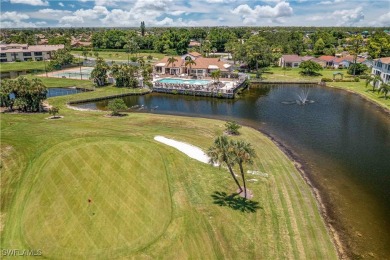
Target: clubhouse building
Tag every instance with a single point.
(25, 52)
(200, 67)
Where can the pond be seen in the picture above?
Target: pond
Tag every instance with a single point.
(342, 141)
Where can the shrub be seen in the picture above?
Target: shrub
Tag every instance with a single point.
(326, 80)
(53, 111)
(150, 57)
(232, 127)
(116, 105)
(356, 79)
(133, 59)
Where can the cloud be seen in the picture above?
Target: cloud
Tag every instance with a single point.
(94, 13)
(13, 16)
(61, 4)
(349, 17)
(16, 20)
(53, 11)
(330, 2)
(315, 18)
(250, 16)
(30, 2)
(177, 12)
(71, 19)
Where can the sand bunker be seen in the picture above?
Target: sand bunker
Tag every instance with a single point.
(190, 150)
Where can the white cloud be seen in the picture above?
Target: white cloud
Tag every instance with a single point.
(315, 18)
(53, 11)
(61, 4)
(250, 16)
(13, 16)
(349, 17)
(94, 13)
(385, 19)
(177, 12)
(71, 19)
(330, 2)
(30, 2)
(165, 22)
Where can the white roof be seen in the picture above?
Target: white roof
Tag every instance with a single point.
(226, 66)
(213, 67)
(160, 64)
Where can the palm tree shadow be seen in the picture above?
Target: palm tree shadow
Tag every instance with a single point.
(235, 202)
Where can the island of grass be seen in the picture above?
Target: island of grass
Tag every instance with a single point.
(89, 186)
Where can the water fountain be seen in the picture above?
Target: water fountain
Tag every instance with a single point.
(302, 98)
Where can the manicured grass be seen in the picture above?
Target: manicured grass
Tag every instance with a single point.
(148, 199)
(111, 55)
(63, 83)
(20, 66)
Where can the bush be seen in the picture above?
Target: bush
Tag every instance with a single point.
(358, 68)
(356, 79)
(116, 105)
(232, 128)
(326, 80)
(53, 111)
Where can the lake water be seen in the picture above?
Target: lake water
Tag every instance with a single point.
(342, 140)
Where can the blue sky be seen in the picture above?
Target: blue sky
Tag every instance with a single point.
(118, 13)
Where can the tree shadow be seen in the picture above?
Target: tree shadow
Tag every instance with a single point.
(235, 202)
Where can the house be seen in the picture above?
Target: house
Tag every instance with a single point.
(381, 67)
(202, 66)
(193, 44)
(329, 60)
(25, 52)
(292, 61)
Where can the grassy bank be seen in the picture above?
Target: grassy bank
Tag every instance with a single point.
(148, 200)
(21, 66)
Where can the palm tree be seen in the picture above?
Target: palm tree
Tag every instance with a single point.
(189, 63)
(171, 61)
(216, 74)
(385, 88)
(243, 153)
(374, 80)
(222, 152)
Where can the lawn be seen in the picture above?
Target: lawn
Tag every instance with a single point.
(122, 56)
(63, 83)
(21, 66)
(148, 200)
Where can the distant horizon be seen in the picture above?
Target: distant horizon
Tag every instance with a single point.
(20, 14)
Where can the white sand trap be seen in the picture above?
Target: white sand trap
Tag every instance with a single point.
(190, 150)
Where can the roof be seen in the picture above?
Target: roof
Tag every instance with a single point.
(385, 60)
(176, 64)
(34, 48)
(194, 43)
(292, 58)
(327, 58)
(195, 54)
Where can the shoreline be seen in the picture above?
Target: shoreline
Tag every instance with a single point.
(378, 105)
(340, 246)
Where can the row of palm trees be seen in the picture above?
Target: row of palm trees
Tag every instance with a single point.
(189, 63)
(378, 84)
(231, 153)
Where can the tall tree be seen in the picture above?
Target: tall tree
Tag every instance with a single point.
(99, 72)
(143, 28)
(221, 152)
(243, 153)
(189, 63)
(356, 47)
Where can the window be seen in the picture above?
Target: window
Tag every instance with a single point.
(26, 54)
(3, 60)
(38, 53)
(3, 55)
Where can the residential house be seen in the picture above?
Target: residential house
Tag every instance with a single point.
(329, 60)
(294, 60)
(202, 67)
(25, 52)
(381, 67)
(193, 44)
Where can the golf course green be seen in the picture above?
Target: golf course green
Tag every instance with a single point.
(88, 186)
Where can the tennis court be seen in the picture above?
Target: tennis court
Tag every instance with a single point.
(83, 73)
